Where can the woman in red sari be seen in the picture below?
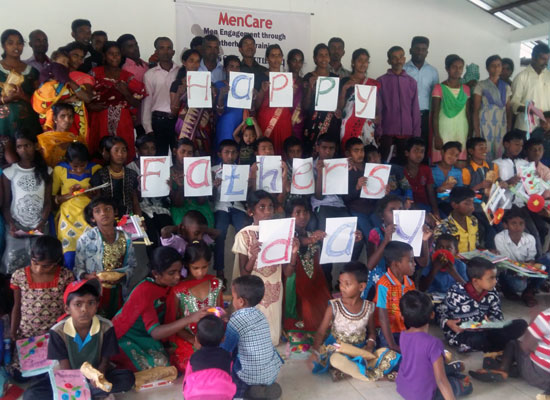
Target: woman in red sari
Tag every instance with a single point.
(119, 96)
(276, 122)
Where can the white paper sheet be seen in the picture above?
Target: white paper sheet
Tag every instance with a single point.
(197, 176)
(269, 176)
(326, 93)
(234, 185)
(155, 173)
(338, 244)
(280, 89)
(199, 92)
(241, 90)
(335, 176)
(377, 180)
(276, 238)
(409, 225)
(303, 181)
(365, 101)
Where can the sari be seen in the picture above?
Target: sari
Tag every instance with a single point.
(195, 124)
(298, 116)
(228, 121)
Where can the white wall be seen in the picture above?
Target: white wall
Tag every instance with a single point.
(454, 26)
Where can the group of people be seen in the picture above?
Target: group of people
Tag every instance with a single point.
(82, 117)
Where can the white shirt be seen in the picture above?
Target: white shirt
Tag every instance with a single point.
(217, 74)
(157, 83)
(527, 86)
(507, 169)
(217, 170)
(525, 250)
(426, 78)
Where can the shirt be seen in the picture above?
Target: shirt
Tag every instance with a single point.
(398, 105)
(443, 280)
(467, 238)
(256, 69)
(440, 178)
(217, 170)
(419, 183)
(388, 293)
(37, 65)
(217, 74)
(341, 71)
(157, 84)
(530, 86)
(211, 357)
(136, 69)
(525, 250)
(426, 78)
(540, 329)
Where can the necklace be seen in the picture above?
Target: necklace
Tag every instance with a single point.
(402, 234)
(116, 175)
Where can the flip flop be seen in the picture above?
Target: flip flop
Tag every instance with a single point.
(489, 375)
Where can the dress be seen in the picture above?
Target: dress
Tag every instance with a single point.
(70, 222)
(228, 121)
(195, 124)
(272, 303)
(190, 203)
(298, 116)
(120, 190)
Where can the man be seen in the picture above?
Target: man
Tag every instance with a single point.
(98, 41)
(38, 41)
(426, 78)
(336, 51)
(209, 62)
(247, 48)
(81, 31)
(156, 117)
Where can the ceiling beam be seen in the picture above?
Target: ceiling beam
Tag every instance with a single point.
(508, 6)
(533, 32)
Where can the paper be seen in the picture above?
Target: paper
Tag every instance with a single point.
(408, 228)
(269, 176)
(70, 384)
(197, 174)
(33, 355)
(303, 181)
(241, 90)
(276, 238)
(377, 180)
(338, 244)
(199, 93)
(155, 173)
(365, 101)
(234, 185)
(335, 176)
(326, 93)
(280, 89)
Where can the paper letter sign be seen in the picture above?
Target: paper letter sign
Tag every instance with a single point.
(326, 93)
(276, 238)
(234, 182)
(335, 176)
(408, 228)
(33, 355)
(280, 89)
(338, 244)
(70, 384)
(365, 101)
(197, 176)
(270, 174)
(199, 93)
(377, 180)
(241, 88)
(155, 172)
(302, 176)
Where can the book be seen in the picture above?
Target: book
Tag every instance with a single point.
(486, 254)
(33, 355)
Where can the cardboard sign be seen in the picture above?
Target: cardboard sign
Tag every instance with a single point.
(326, 93)
(280, 89)
(241, 90)
(303, 181)
(365, 101)
(70, 384)
(408, 228)
(335, 176)
(377, 180)
(234, 185)
(197, 176)
(199, 93)
(338, 244)
(155, 173)
(270, 174)
(276, 238)
(33, 355)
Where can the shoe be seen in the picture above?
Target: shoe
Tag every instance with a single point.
(265, 392)
(489, 375)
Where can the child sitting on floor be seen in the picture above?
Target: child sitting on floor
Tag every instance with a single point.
(476, 302)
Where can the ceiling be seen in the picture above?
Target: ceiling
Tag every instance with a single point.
(518, 13)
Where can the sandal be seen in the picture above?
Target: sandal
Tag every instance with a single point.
(528, 298)
(489, 375)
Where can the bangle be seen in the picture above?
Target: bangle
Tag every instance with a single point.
(371, 340)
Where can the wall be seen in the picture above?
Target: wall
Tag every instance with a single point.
(454, 26)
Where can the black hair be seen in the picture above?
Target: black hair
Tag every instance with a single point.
(230, 58)
(57, 107)
(514, 134)
(143, 139)
(74, 46)
(317, 49)
(31, 35)
(292, 53)
(513, 212)
(393, 49)
(395, 251)
(539, 50)
(40, 166)
(460, 193)
(336, 40)
(477, 266)
(47, 248)
(534, 141)
(358, 53)
(261, 140)
(416, 308)
(251, 288)
(294, 202)
(211, 38)
(103, 142)
(357, 269)
(415, 141)
(509, 62)
(210, 331)
(326, 139)
(448, 237)
(185, 142)
(77, 23)
(85, 289)
(55, 56)
(195, 251)
(6, 34)
(227, 143)
(99, 33)
(194, 216)
(272, 47)
(452, 145)
(161, 39)
(89, 209)
(420, 40)
(196, 41)
(451, 59)
(290, 142)
(491, 59)
(473, 142)
(122, 39)
(109, 144)
(77, 151)
(162, 258)
(384, 201)
(352, 142)
(254, 197)
(246, 37)
(187, 53)
(370, 148)
(108, 45)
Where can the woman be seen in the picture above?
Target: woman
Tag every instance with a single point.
(17, 83)
(318, 122)
(492, 111)
(450, 109)
(118, 95)
(295, 61)
(353, 126)
(275, 122)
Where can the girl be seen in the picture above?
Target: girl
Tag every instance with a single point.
(123, 182)
(140, 325)
(295, 61)
(446, 175)
(105, 248)
(69, 177)
(27, 201)
(199, 291)
(246, 248)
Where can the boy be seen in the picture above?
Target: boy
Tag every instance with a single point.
(389, 290)
(193, 227)
(247, 337)
(420, 176)
(461, 224)
(507, 165)
(422, 372)
(477, 301)
(225, 212)
(534, 149)
(446, 175)
(83, 336)
(293, 148)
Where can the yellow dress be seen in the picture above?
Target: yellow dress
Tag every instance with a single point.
(70, 222)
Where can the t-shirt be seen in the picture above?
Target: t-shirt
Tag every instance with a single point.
(419, 183)
(416, 379)
(540, 329)
(388, 293)
(525, 250)
(211, 357)
(443, 280)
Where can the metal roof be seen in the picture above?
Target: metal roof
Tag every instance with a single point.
(524, 12)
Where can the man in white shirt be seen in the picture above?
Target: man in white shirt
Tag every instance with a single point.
(156, 117)
(209, 62)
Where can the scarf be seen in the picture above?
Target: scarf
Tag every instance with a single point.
(450, 104)
(472, 292)
(496, 101)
